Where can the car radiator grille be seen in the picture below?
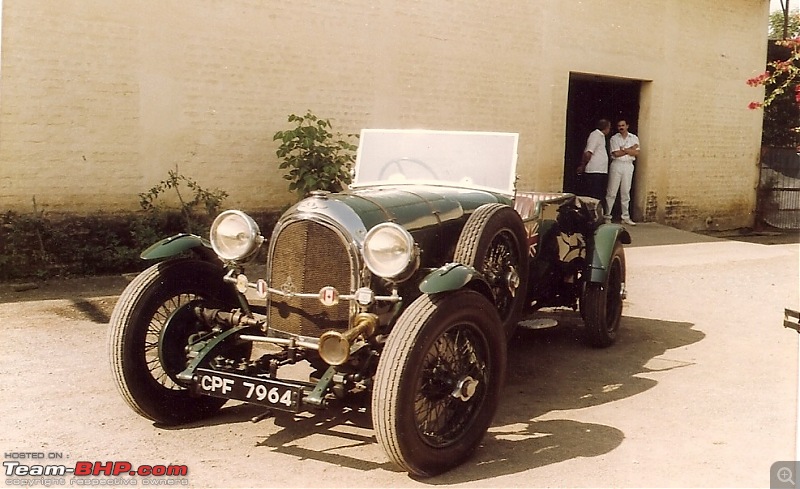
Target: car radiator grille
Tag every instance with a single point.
(306, 257)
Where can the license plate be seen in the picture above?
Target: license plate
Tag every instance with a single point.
(267, 392)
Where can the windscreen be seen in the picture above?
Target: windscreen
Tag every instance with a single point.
(485, 160)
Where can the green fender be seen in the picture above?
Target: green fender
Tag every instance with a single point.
(174, 245)
(605, 237)
(454, 276)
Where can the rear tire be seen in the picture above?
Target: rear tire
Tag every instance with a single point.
(601, 305)
(144, 359)
(438, 381)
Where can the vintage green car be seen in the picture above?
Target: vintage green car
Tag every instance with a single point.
(403, 290)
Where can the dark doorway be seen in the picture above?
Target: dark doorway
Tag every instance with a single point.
(593, 97)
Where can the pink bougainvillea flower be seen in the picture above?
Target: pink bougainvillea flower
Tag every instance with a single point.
(783, 65)
(758, 80)
(754, 105)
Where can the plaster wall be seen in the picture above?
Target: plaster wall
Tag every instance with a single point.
(100, 98)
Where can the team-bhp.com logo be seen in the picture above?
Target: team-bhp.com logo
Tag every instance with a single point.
(20, 469)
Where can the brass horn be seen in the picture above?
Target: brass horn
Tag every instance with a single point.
(334, 347)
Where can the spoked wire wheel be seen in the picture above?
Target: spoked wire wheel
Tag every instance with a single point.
(501, 266)
(452, 385)
(157, 354)
(438, 381)
(150, 329)
(494, 242)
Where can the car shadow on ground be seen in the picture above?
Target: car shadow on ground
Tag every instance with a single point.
(550, 370)
(553, 370)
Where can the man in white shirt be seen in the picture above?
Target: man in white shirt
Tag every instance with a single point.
(624, 150)
(594, 163)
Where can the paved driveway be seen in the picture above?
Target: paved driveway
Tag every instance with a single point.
(700, 390)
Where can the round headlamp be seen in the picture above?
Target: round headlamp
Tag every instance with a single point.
(390, 251)
(235, 236)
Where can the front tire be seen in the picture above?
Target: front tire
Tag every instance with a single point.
(145, 355)
(438, 381)
(494, 242)
(601, 305)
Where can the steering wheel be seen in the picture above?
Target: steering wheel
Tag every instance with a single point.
(406, 168)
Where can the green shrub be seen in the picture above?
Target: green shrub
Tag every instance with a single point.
(38, 245)
(316, 159)
(198, 211)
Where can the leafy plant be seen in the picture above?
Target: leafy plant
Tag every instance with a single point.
(22, 243)
(316, 158)
(781, 101)
(784, 23)
(39, 245)
(209, 201)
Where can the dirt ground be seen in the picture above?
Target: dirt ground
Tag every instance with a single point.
(699, 391)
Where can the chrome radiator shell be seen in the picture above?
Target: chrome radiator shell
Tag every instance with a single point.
(308, 252)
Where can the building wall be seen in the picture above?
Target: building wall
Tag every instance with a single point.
(100, 98)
